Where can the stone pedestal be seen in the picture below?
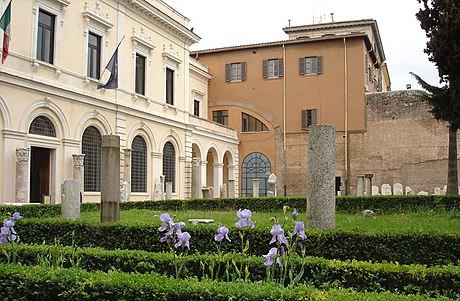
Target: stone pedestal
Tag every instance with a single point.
(208, 192)
(223, 191)
(127, 173)
(70, 199)
(168, 190)
(255, 187)
(79, 170)
(368, 184)
(22, 175)
(110, 179)
(360, 186)
(271, 185)
(231, 188)
(196, 178)
(321, 177)
(162, 187)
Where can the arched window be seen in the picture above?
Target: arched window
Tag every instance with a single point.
(139, 165)
(169, 164)
(255, 166)
(92, 148)
(252, 124)
(42, 126)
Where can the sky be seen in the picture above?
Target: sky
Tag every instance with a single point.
(240, 22)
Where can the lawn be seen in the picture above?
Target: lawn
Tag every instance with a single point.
(425, 221)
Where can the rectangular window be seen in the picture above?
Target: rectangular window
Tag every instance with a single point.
(311, 65)
(235, 71)
(140, 74)
(45, 37)
(308, 118)
(196, 107)
(273, 68)
(94, 56)
(169, 86)
(220, 117)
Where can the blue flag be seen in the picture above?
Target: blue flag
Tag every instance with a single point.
(112, 67)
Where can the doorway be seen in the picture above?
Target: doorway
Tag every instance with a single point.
(39, 174)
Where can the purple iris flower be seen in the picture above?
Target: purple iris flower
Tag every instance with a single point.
(245, 219)
(175, 227)
(4, 233)
(167, 222)
(299, 229)
(278, 234)
(184, 240)
(294, 214)
(272, 254)
(16, 216)
(222, 233)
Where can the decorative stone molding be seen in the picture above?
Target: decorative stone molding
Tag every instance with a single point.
(22, 154)
(96, 15)
(78, 160)
(141, 39)
(171, 54)
(196, 161)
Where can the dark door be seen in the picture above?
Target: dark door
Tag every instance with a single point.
(39, 174)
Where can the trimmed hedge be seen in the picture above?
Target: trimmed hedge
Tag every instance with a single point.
(38, 283)
(361, 276)
(405, 248)
(349, 204)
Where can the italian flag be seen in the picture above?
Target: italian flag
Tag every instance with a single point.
(5, 25)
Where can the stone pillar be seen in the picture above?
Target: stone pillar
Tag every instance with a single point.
(22, 175)
(168, 190)
(360, 186)
(70, 199)
(223, 191)
(196, 178)
(368, 184)
(127, 165)
(231, 188)
(110, 179)
(271, 185)
(255, 187)
(162, 187)
(79, 171)
(321, 177)
(218, 178)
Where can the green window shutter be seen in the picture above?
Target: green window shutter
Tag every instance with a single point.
(228, 71)
(243, 70)
(319, 64)
(281, 63)
(264, 68)
(304, 119)
(302, 66)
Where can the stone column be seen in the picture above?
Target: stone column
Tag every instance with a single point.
(168, 190)
(368, 184)
(196, 178)
(360, 186)
(79, 171)
(321, 177)
(110, 179)
(127, 165)
(231, 188)
(218, 178)
(70, 199)
(162, 187)
(22, 175)
(255, 187)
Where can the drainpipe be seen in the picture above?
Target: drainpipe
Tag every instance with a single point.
(284, 119)
(346, 113)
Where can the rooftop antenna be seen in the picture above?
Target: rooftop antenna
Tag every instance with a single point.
(332, 17)
(289, 23)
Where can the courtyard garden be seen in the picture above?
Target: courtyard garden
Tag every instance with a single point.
(255, 249)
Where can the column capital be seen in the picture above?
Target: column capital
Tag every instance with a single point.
(22, 154)
(196, 161)
(78, 159)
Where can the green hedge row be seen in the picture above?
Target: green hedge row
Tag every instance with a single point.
(405, 248)
(349, 204)
(41, 283)
(360, 276)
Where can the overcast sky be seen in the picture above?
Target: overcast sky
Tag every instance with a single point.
(237, 22)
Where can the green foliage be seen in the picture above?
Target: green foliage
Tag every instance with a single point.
(42, 283)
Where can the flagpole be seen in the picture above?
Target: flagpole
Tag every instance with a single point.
(103, 71)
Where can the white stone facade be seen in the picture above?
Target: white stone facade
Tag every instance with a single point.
(62, 92)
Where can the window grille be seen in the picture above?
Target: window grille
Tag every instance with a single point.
(92, 148)
(139, 165)
(42, 126)
(255, 166)
(169, 165)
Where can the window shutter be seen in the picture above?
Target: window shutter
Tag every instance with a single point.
(281, 63)
(304, 119)
(228, 71)
(319, 64)
(313, 116)
(265, 69)
(301, 65)
(243, 70)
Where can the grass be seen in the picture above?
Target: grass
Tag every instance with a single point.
(446, 222)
